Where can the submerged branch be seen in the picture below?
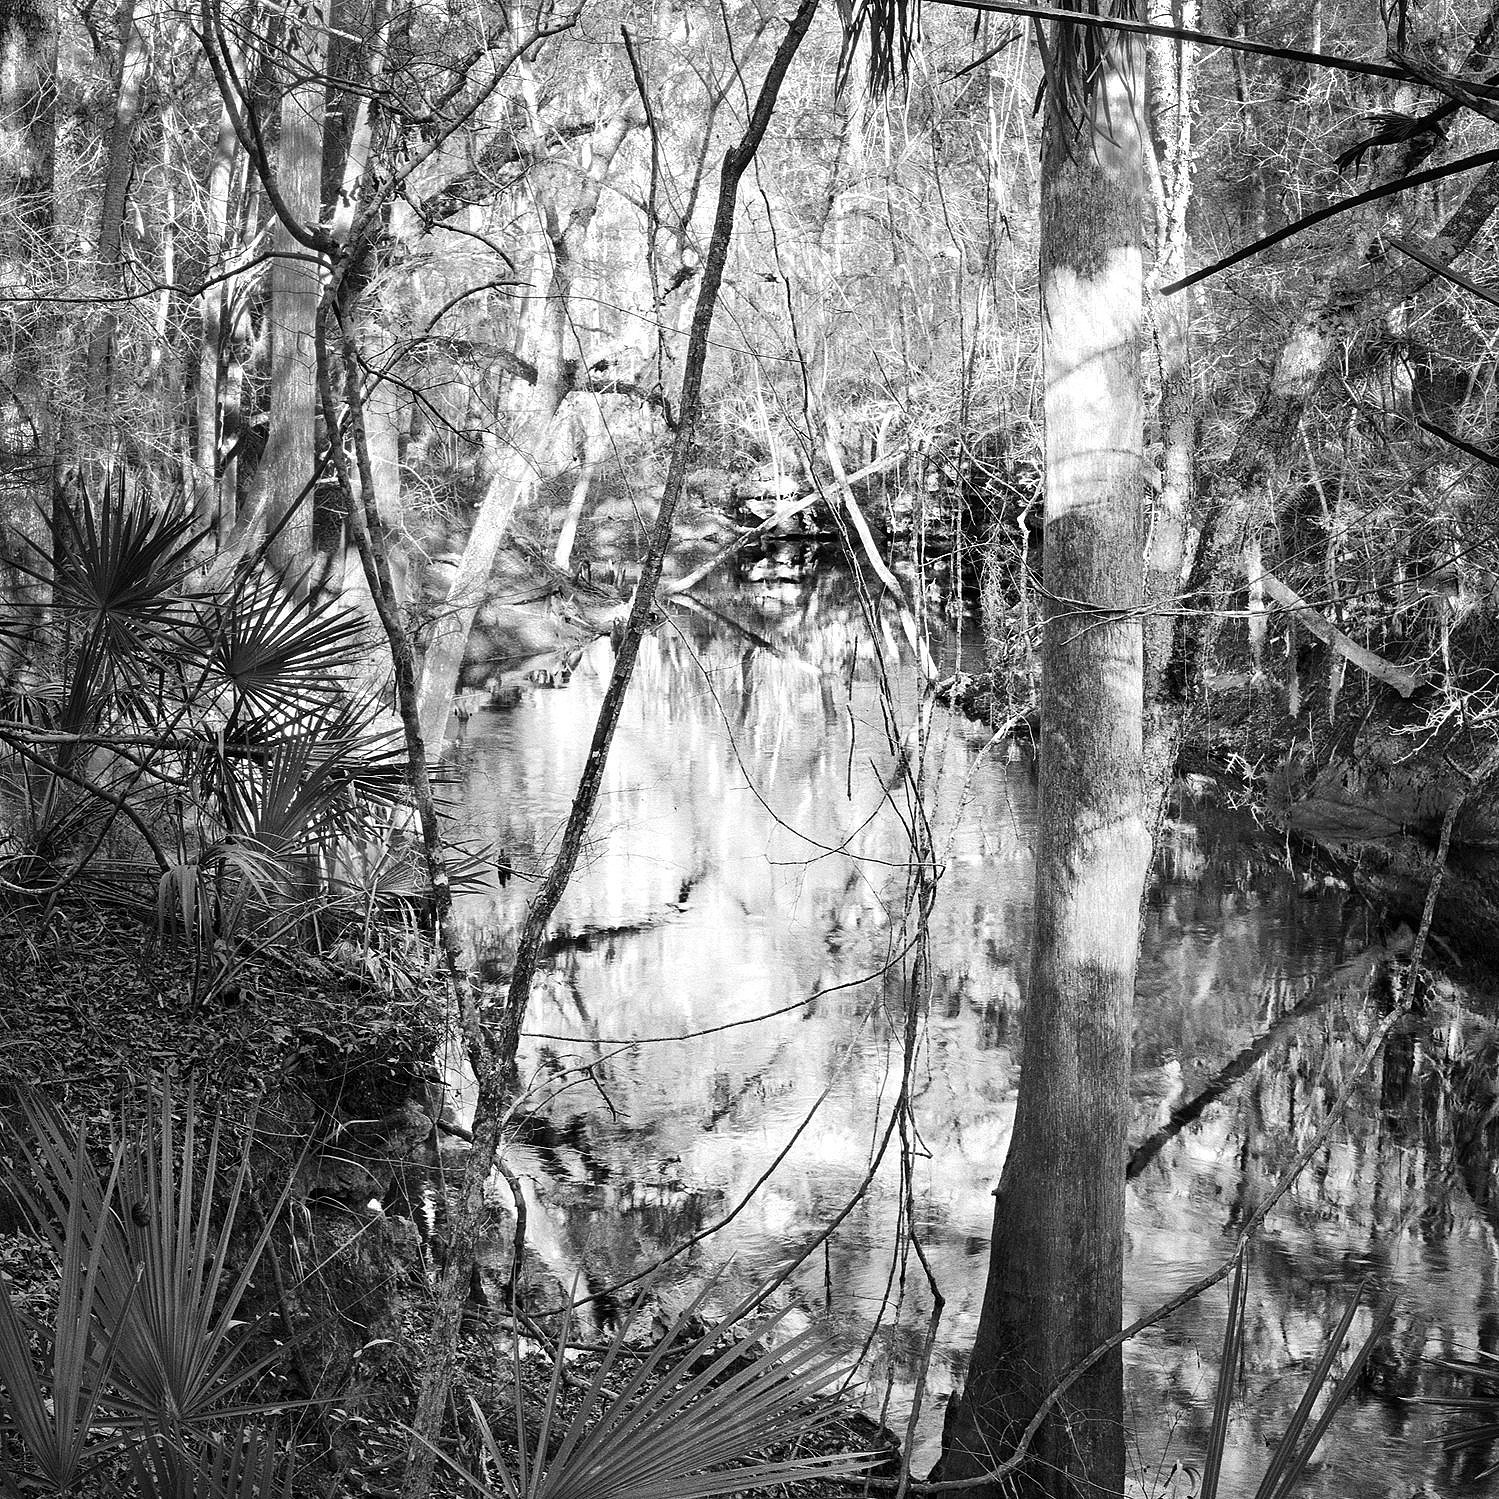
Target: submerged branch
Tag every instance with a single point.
(1252, 1224)
(1230, 1073)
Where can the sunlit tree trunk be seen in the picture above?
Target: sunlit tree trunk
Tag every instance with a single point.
(1055, 1283)
(588, 451)
(286, 467)
(28, 140)
(1171, 68)
(212, 307)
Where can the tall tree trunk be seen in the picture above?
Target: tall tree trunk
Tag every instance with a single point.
(130, 82)
(238, 337)
(165, 368)
(1171, 65)
(212, 308)
(28, 143)
(1055, 1284)
(286, 467)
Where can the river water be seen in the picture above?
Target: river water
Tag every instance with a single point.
(718, 1035)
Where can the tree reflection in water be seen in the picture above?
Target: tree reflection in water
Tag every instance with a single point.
(746, 863)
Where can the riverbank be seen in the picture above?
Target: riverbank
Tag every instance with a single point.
(330, 1078)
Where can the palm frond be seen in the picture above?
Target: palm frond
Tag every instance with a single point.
(302, 793)
(1228, 1374)
(1293, 1452)
(690, 1418)
(54, 1411)
(242, 1465)
(166, 1292)
(121, 564)
(1297, 1444)
(274, 655)
(1481, 1430)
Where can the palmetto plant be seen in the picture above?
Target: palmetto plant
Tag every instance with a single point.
(197, 752)
(242, 1467)
(686, 1421)
(147, 1358)
(53, 1404)
(1299, 1441)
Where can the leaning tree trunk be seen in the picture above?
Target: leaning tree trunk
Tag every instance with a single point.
(516, 476)
(1055, 1285)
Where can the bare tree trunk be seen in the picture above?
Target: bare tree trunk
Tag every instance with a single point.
(384, 413)
(212, 308)
(165, 366)
(588, 451)
(286, 467)
(1171, 66)
(1055, 1284)
(130, 81)
(514, 478)
(28, 143)
(239, 351)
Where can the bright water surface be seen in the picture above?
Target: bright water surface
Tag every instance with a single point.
(740, 989)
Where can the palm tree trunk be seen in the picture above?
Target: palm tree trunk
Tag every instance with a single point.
(1055, 1284)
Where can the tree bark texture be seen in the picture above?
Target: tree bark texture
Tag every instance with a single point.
(1055, 1284)
(212, 309)
(28, 140)
(287, 465)
(1171, 67)
(124, 130)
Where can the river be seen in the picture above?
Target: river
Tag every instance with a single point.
(718, 1034)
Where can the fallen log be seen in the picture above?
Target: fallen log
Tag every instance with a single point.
(1404, 682)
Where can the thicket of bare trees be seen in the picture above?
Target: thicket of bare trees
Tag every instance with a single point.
(387, 293)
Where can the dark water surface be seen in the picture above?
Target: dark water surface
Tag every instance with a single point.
(734, 960)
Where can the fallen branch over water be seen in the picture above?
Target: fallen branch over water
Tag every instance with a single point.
(1193, 1109)
(1404, 682)
(779, 518)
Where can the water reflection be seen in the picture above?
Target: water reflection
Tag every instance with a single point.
(732, 962)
